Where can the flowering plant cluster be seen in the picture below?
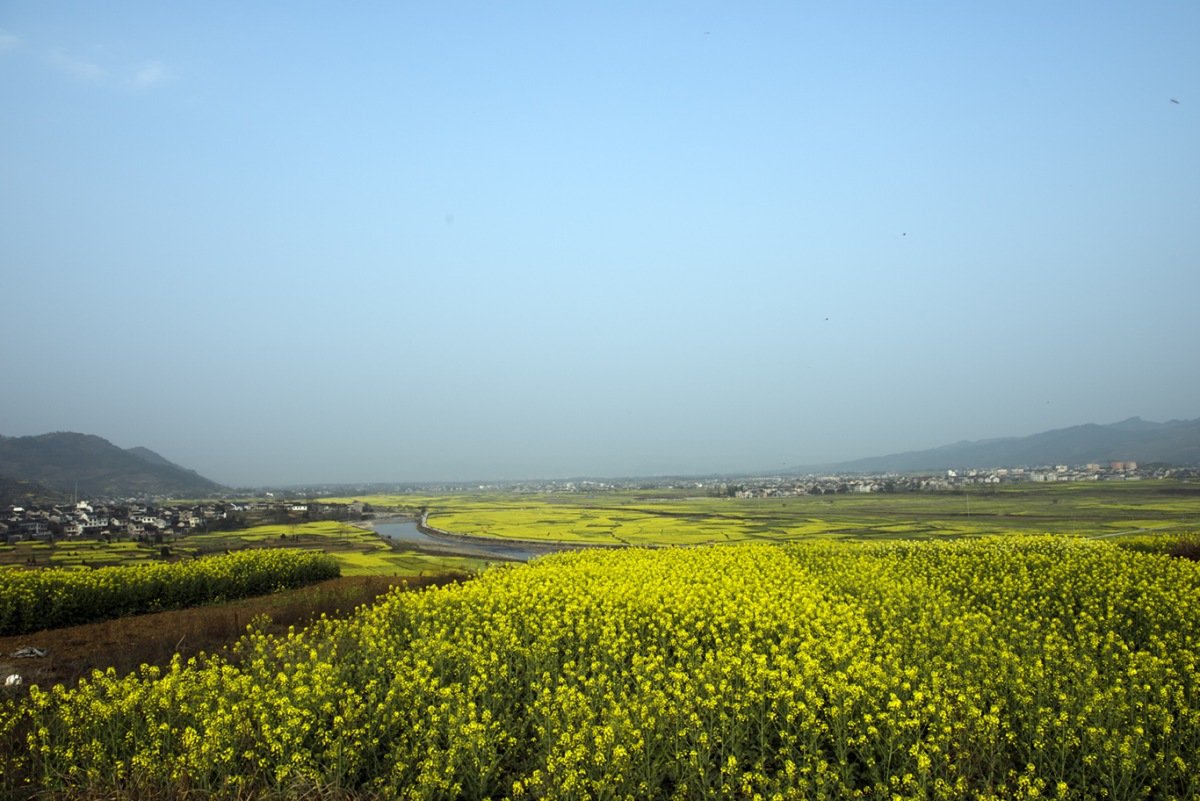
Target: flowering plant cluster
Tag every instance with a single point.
(995, 668)
(32, 600)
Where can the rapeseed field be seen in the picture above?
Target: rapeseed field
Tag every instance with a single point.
(640, 518)
(32, 600)
(998, 668)
(358, 551)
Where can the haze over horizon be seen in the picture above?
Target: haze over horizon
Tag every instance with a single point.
(282, 244)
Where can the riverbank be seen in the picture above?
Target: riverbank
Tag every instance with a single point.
(430, 546)
(440, 542)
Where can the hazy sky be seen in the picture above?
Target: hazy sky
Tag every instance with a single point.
(289, 242)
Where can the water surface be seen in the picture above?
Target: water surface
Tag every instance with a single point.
(407, 531)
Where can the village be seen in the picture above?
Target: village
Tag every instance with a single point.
(775, 486)
(952, 480)
(154, 523)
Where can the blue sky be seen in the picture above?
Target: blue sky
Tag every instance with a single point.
(287, 242)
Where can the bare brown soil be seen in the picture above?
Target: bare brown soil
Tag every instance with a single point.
(125, 644)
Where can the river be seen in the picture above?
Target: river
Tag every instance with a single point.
(406, 531)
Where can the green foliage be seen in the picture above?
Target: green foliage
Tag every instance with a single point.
(32, 600)
(995, 668)
(1186, 545)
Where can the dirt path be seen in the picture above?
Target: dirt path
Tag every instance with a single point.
(125, 644)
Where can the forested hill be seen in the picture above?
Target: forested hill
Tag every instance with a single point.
(93, 466)
(14, 492)
(1135, 439)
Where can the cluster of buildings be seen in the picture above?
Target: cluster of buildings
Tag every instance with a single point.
(99, 521)
(1112, 471)
(792, 485)
(951, 479)
(87, 520)
(134, 520)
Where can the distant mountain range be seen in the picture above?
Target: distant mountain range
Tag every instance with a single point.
(93, 466)
(55, 466)
(1174, 442)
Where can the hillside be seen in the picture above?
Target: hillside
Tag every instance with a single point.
(93, 466)
(1173, 442)
(14, 492)
(150, 456)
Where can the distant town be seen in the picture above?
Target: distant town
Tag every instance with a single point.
(812, 484)
(153, 523)
(955, 479)
(154, 520)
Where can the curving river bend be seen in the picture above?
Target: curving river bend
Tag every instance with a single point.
(406, 531)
